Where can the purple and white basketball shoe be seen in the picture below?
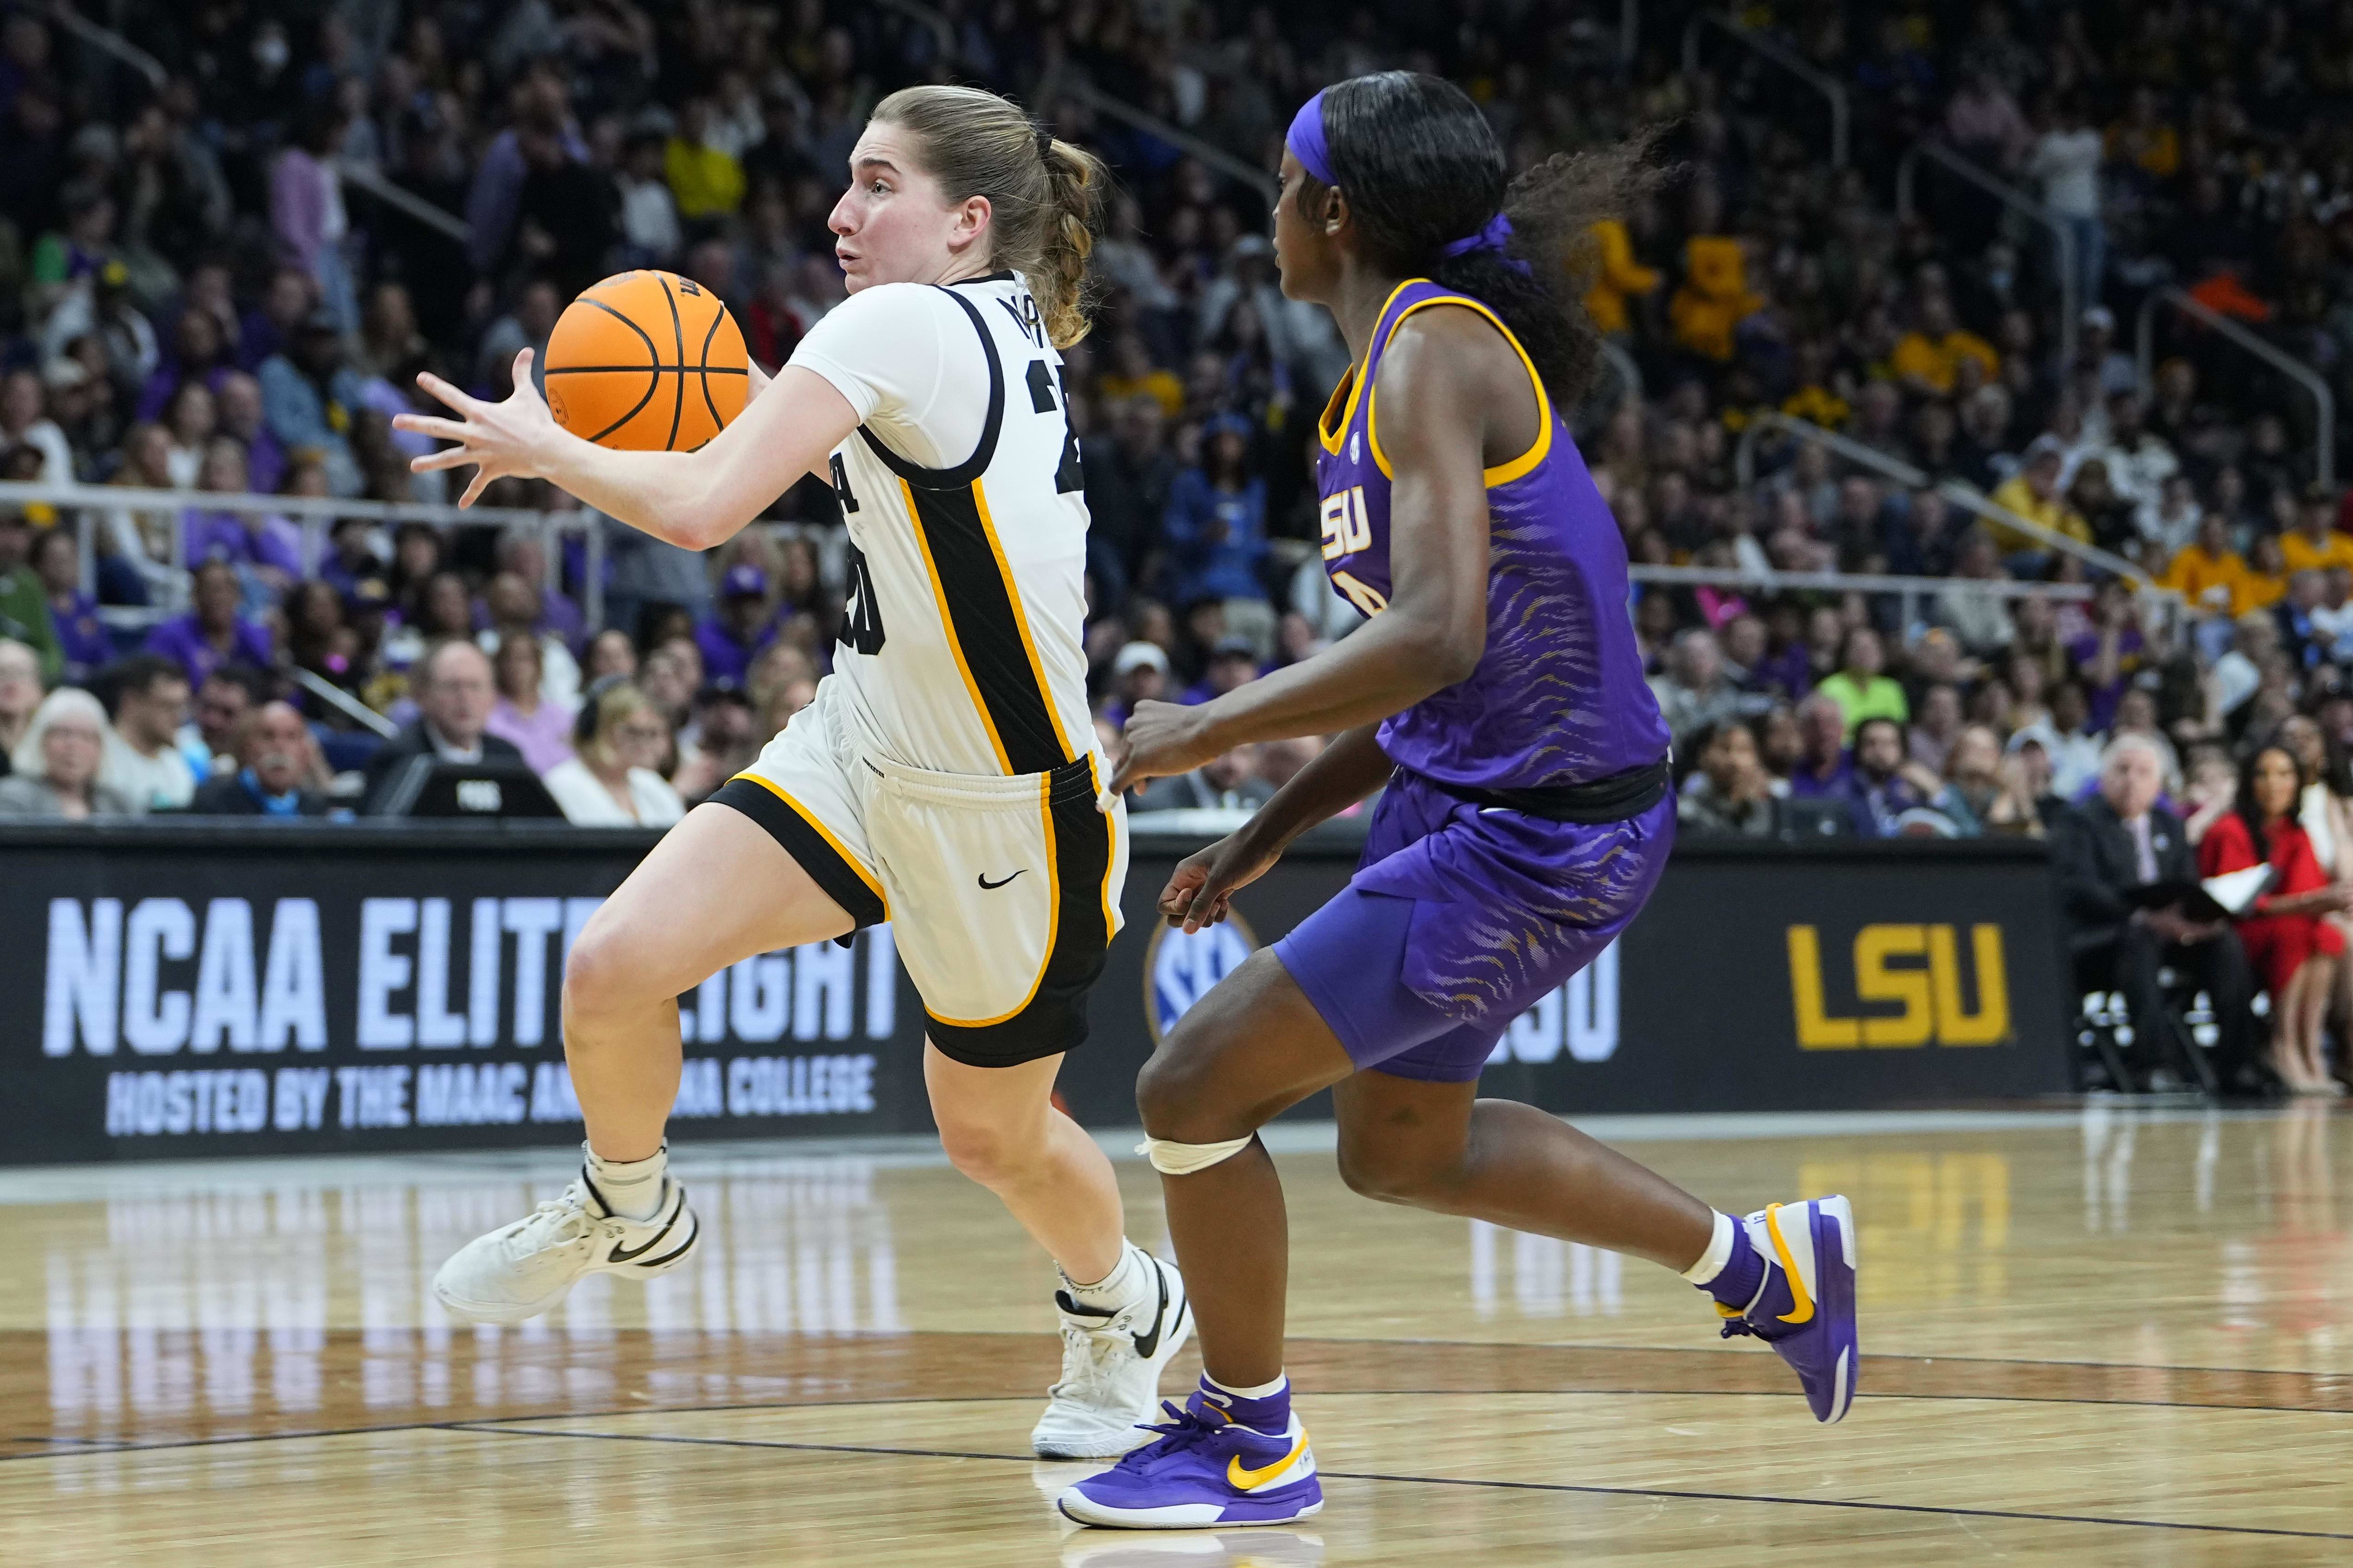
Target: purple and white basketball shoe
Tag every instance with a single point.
(1804, 1306)
(1203, 1472)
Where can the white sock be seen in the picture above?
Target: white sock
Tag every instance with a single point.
(632, 1187)
(1115, 1290)
(1262, 1391)
(1719, 1253)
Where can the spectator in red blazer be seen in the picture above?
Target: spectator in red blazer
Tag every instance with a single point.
(2289, 942)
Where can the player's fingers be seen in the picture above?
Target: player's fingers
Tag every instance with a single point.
(432, 425)
(448, 458)
(482, 481)
(446, 393)
(1212, 892)
(522, 382)
(1122, 777)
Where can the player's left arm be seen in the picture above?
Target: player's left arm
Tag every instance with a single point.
(1446, 379)
(695, 500)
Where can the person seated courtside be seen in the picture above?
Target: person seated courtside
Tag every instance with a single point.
(2106, 851)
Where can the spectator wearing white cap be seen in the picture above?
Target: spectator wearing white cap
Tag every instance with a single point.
(1139, 673)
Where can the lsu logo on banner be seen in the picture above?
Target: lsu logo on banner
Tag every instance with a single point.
(1180, 966)
(1917, 967)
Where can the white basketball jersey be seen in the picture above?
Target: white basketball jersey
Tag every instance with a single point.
(963, 645)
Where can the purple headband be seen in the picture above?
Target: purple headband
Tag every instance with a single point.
(1305, 139)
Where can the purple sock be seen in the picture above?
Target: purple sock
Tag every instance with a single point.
(1735, 1285)
(1271, 1413)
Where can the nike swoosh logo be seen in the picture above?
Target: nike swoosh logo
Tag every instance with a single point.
(1147, 1343)
(991, 886)
(1251, 1480)
(1802, 1306)
(621, 1255)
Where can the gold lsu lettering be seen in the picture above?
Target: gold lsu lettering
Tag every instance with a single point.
(1929, 994)
(1348, 529)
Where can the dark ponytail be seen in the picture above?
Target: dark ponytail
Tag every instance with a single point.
(1421, 169)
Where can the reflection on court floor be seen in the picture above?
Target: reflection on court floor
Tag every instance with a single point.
(2109, 1335)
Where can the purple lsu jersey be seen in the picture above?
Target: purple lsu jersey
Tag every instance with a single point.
(1557, 697)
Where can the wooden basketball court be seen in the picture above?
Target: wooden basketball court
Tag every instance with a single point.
(2094, 1336)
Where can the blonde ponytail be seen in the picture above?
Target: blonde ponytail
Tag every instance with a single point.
(1045, 196)
(1076, 178)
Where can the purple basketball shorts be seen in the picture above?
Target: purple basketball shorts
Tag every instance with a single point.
(1462, 917)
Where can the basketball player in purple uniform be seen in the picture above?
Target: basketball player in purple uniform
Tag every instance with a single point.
(1497, 693)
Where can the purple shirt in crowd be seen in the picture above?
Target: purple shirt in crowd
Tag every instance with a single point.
(183, 639)
(224, 536)
(725, 659)
(1806, 784)
(81, 637)
(545, 739)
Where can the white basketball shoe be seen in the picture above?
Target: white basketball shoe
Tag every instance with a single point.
(1111, 1368)
(520, 1270)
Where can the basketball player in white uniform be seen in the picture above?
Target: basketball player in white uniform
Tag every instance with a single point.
(944, 779)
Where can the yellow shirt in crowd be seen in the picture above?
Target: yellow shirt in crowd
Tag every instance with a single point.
(1934, 362)
(2054, 514)
(704, 181)
(2303, 555)
(1617, 278)
(2208, 582)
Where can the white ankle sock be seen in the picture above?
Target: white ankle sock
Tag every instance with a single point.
(1719, 1253)
(1262, 1391)
(1115, 1290)
(633, 1187)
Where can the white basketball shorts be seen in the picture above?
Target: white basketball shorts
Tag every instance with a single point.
(1002, 892)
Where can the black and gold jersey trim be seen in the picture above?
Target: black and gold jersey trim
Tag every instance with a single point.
(982, 613)
(845, 881)
(972, 467)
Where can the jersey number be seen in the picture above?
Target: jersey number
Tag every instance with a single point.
(1363, 596)
(1042, 401)
(863, 629)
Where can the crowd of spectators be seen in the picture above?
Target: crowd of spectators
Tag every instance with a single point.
(192, 299)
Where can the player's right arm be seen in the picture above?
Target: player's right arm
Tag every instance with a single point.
(1341, 775)
(694, 499)
(876, 356)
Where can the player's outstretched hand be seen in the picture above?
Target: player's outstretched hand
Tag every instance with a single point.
(501, 440)
(1200, 890)
(1161, 738)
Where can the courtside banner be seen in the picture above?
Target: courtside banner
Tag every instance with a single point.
(1761, 977)
(171, 990)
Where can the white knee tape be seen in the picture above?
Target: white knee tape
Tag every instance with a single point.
(1174, 1158)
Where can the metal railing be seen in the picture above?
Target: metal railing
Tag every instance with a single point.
(1776, 52)
(2017, 201)
(402, 200)
(407, 203)
(112, 42)
(343, 702)
(317, 514)
(1969, 498)
(1910, 591)
(2323, 433)
(1194, 147)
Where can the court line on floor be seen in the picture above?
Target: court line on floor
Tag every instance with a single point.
(68, 1446)
(1678, 1496)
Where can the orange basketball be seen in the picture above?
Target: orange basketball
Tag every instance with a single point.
(647, 362)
